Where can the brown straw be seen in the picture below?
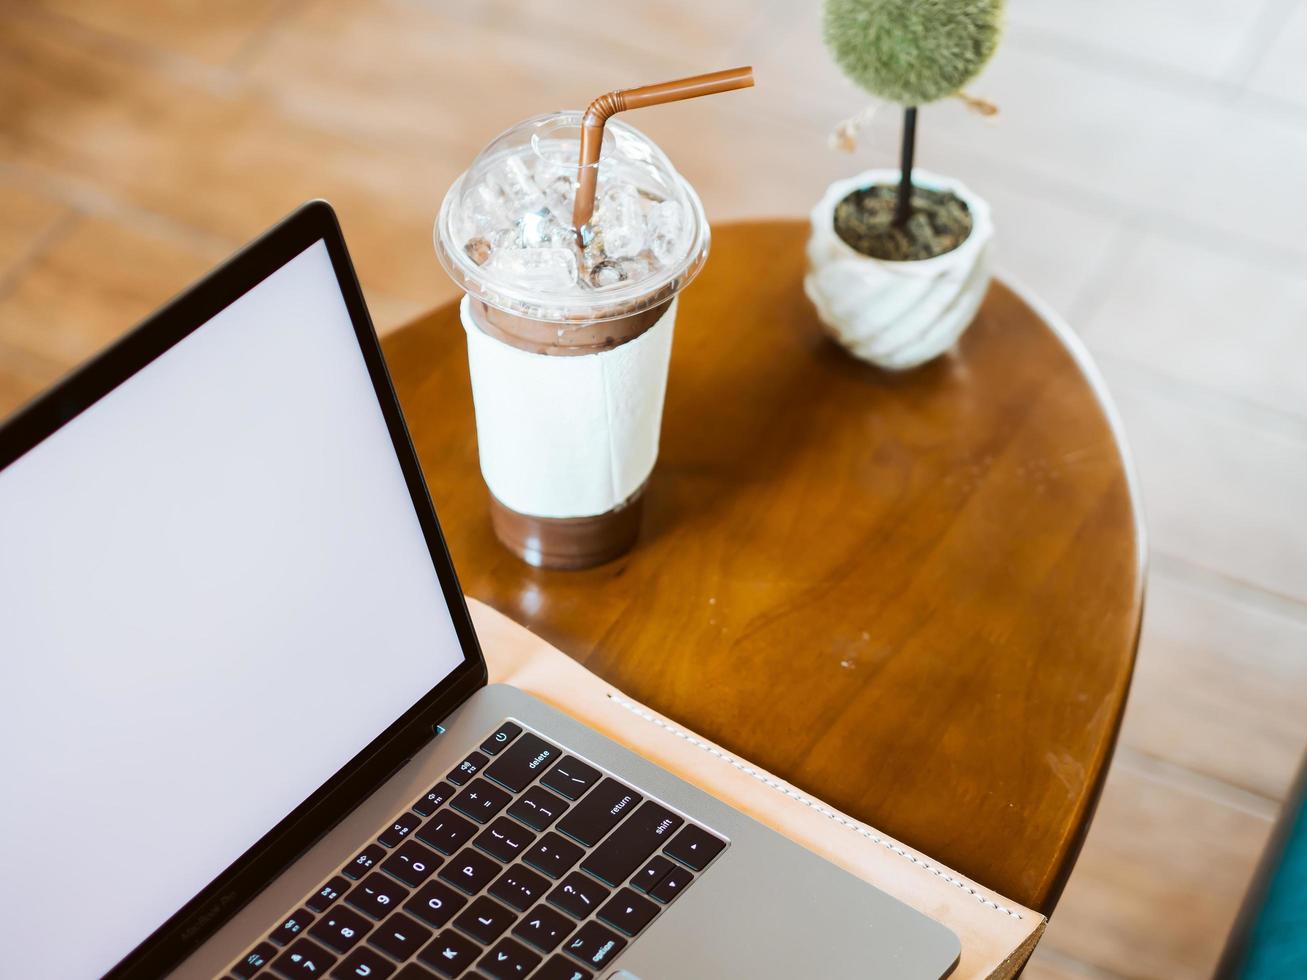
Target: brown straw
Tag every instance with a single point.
(592, 124)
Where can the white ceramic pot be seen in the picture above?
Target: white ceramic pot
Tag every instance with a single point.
(896, 315)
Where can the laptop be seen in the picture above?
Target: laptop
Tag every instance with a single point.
(247, 729)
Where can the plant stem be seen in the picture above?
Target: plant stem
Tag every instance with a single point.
(903, 208)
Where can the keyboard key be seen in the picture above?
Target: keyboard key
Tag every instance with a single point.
(526, 758)
(468, 768)
(399, 936)
(519, 887)
(412, 863)
(413, 971)
(480, 800)
(628, 911)
(362, 864)
(578, 895)
(364, 962)
(504, 734)
(537, 808)
(341, 929)
(446, 832)
(509, 960)
(322, 899)
(505, 839)
(571, 777)
(553, 855)
(694, 846)
(255, 960)
(449, 954)
(484, 920)
(435, 903)
(673, 884)
(401, 828)
(470, 870)
(377, 895)
(544, 928)
(561, 968)
(437, 795)
(647, 878)
(632, 843)
(303, 958)
(291, 927)
(599, 812)
(594, 945)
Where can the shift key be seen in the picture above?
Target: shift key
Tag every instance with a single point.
(630, 845)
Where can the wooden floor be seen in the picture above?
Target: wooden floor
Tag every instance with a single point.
(1146, 176)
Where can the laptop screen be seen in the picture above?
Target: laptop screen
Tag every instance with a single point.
(214, 592)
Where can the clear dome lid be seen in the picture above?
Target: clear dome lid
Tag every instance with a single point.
(504, 230)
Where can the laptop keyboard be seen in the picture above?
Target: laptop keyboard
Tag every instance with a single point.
(524, 861)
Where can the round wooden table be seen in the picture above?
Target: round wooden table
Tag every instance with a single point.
(914, 596)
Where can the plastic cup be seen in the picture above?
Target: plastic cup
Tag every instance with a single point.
(569, 372)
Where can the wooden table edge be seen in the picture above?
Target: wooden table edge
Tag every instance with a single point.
(1051, 891)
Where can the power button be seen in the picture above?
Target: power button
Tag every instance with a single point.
(504, 734)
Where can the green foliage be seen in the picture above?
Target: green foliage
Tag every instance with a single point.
(912, 51)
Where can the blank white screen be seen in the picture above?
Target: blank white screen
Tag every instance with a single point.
(214, 592)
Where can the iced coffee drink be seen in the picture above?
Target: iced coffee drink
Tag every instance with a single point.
(569, 325)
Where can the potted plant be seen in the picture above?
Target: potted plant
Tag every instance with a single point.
(899, 260)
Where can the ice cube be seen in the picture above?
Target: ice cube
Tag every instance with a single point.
(478, 249)
(540, 229)
(560, 194)
(490, 208)
(666, 228)
(520, 187)
(636, 268)
(534, 229)
(592, 249)
(562, 236)
(621, 220)
(504, 238)
(536, 268)
(606, 273)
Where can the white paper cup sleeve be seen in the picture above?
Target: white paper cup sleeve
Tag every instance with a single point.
(566, 436)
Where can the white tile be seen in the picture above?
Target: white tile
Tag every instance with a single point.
(1220, 686)
(1100, 140)
(1160, 879)
(1282, 72)
(1134, 147)
(1217, 318)
(1054, 250)
(1203, 37)
(1222, 488)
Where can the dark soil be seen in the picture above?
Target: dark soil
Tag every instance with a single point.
(940, 221)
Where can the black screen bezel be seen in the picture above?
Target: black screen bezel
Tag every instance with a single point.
(315, 221)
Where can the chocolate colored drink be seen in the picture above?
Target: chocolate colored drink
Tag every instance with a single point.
(569, 335)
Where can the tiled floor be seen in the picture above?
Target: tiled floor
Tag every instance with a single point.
(1147, 178)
